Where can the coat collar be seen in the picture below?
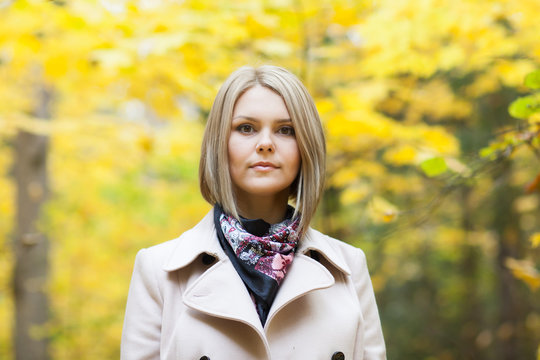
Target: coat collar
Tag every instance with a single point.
(202, 239)
(216, 292)
(194, 242)
(313, 240)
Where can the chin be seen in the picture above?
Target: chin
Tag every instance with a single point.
(265, 191)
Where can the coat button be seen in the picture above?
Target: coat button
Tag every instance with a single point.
(204, 358)
(338, 355)
(207, 260)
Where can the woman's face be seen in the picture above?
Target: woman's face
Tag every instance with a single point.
(263, 153)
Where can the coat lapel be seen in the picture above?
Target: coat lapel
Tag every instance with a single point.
(220, 292)
(304, 275)
(194, 242)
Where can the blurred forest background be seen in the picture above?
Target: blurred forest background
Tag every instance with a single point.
(102, 108)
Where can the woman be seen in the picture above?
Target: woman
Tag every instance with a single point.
(252, 280)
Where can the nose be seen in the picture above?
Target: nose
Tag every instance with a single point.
(261, 148)
(265, 143)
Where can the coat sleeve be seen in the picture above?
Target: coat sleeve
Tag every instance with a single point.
(373, 341)
(141, 333)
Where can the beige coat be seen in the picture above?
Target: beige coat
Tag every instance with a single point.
(181, 306)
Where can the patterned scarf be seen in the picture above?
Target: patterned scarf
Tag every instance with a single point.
(261, 261)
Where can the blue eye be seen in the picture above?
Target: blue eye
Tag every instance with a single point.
(286, 130)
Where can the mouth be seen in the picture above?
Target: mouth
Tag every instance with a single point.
(264, 165)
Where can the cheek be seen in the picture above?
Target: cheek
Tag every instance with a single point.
(294, 162)
(232, 150)
(295, 158)
(238, 154)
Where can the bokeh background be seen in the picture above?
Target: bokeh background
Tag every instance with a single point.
(102, 109)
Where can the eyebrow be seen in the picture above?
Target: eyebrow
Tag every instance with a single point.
(257, 120)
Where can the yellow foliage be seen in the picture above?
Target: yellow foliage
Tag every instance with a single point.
(132, 81)
(450, 238)
(399, 184)
(525, 271)
(402, 155)
(437, 101)
(512, 73)
(382, 211)
(535, 240)
(370, 92)
(98, 236)
(355, 193)
(344, 176)
(359, 123)
(146, 143)
(369, 168)
(261, 26)
(483, 84)
(112, 59)
(324, 106)
(274, 48)
(438, 139)
(526, 203)
(534, 119)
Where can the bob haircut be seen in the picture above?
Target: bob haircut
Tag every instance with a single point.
(214, 177)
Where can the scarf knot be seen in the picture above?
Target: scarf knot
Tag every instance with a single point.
(270, 254)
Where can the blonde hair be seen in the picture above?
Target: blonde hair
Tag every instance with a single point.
(214, 177)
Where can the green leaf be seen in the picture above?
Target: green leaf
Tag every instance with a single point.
(532, 80)
(434, 166)
(487, 152)
(524, 107)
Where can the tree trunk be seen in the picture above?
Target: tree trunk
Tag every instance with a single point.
(511, 307)
(472, 311)
(30, 245)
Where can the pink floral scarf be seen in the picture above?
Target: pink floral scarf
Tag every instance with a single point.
(271, 254)
(261, 257)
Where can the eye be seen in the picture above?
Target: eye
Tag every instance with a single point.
(245, 129)
(286, 130)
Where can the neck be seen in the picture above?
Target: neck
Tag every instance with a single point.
(271, 209)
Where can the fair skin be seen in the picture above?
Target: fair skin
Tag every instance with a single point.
(263, 154)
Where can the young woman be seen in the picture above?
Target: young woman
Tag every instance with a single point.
(252, 280)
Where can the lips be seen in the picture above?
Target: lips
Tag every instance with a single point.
(264, 165)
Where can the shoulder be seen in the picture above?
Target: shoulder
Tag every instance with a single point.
(159, 251)
(149, 261)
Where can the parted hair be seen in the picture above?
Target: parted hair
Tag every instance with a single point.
(214, 177)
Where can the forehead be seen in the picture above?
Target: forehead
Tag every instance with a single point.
(260, 101)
